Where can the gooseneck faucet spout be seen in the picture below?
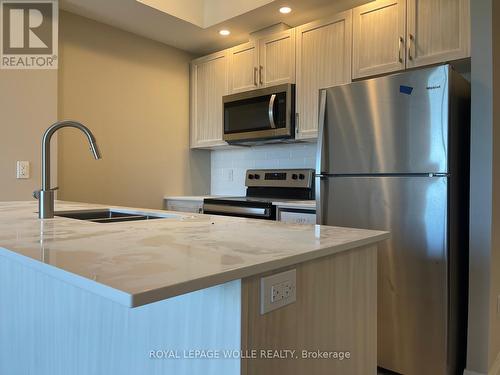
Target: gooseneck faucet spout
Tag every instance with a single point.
(45, 196)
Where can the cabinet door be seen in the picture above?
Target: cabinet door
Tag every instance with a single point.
(277, 59)
(209, 83)
(323, 60)
(243, 68)
(438, 31)
(379, 37)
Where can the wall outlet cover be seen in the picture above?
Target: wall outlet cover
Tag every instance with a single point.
(23, 169)
(278, 290)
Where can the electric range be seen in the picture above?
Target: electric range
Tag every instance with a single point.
(264, 186)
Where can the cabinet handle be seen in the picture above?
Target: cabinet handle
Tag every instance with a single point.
(261, 68)
(255, 76)
(410, 40)
(401, 41)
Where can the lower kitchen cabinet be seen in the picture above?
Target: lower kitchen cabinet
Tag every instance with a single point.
(323, 60)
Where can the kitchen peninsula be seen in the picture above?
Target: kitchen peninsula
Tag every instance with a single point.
(151, 296)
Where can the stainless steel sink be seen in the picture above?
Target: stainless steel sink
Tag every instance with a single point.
(111, 216)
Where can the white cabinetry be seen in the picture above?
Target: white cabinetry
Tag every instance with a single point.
(243, 72)
(277, 58)
(438, 31)
(323, 60)
(378, 37)
(209, 83)
(392, 35)
(265, 62)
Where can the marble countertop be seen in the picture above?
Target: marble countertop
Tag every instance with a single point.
(293, 203)
(136, 263)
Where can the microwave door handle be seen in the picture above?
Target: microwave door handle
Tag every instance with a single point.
(271, 111)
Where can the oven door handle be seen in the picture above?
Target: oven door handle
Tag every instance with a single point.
(271, 111)
(225, 209)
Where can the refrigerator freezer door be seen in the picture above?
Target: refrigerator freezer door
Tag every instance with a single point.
(412, 279)
(394, 124)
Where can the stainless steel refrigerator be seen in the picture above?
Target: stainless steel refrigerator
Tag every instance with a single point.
(393, 154)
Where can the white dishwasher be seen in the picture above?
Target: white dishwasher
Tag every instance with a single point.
(296, 215)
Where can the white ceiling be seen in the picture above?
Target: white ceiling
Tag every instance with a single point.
(205, 13)
(193, 25)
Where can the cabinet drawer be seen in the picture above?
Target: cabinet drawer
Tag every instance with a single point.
(297, 216)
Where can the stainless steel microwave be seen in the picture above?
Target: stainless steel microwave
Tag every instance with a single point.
(260, 115)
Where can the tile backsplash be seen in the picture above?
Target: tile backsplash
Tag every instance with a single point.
(229, 166)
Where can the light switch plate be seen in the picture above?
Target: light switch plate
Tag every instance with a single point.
(23, 169)
(278, 290)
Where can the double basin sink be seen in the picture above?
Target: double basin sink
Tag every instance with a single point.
(112, 216)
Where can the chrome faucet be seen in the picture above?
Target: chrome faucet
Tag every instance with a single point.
(45, 195)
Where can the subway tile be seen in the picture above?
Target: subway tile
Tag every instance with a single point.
(299, 155)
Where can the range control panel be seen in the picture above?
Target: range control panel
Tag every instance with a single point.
(296, 178)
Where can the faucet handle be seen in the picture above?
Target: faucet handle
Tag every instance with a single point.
(36, 193)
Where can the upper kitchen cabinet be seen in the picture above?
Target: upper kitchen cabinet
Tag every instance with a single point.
(379, 30)
(243, 71)
(267, 61)
(392, 35)
(323, 60)
(209, 83)
(438, 31)
(277, 58)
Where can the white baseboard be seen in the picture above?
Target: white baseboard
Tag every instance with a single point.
(494, 370)
(469, 372)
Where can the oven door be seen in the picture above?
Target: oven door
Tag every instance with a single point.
(251, 210)
(267, 113)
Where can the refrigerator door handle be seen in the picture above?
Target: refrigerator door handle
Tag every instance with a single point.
(320, 158)
(321, 180)
(320, 154)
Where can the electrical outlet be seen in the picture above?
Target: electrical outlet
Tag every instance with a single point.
(277, 291)
(282, 291)
(23, 169)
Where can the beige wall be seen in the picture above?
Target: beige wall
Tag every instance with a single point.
(133, 93)
(28, 105)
